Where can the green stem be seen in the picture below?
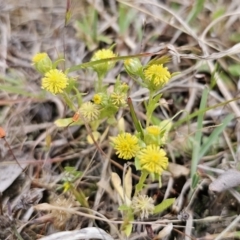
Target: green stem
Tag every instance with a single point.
(79, 195)
(68, 101)
(151, 105)
(162, 52)
(17, 234)
(140, 184)
(149, 108)
(99, 87)
(136, 122)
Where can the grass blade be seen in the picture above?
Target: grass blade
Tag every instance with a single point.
(198, 135)
(214, 135)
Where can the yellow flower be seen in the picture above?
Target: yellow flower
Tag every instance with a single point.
(42, 62)
(153, 159)
(55, 81)
(142, 205)
(118, 99)
(126, 145)
(97, 99)
(154, 130)
(38, 57)
(105, 66)
(157, 75)
(103, 54)
(89, 111)
(66, 186)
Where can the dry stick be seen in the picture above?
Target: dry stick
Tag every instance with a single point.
(226, 230)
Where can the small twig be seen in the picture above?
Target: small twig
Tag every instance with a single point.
(227, 229)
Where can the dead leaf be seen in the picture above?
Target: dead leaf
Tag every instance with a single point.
(9, 172)
(229, 179)
(178, 170)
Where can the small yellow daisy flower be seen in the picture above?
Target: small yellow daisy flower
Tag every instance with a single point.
(157, 75)
(105, 66)
(90, 111)
(39, 57)
(142, 205)
(126, 145)
(97, 99)
(55, 81)
(153, 159)
(154, 130)
(103, 54)
(118, 99)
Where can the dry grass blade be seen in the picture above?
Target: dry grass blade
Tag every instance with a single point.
(66, 164)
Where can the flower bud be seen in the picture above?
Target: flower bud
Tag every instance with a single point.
(42, 62)
(133, 66)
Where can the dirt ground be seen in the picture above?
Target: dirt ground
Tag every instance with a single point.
(201, 37)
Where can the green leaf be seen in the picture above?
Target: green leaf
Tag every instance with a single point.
(198, 135)
(195, 180)
(214, 135)
(234, 69)
(64, 122)
(123, 207)
(235, 37)
(127, 226)
(163, 205)
(218, 13)
(125, 18)
(161, 60)
(128, 229)
(197, 8)
(142, 179)
(73, 171)
(19, 90)
(136, 122)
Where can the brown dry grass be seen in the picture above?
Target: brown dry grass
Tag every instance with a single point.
(28, 27)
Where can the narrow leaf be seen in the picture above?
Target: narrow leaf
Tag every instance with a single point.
(163, 205)
(198, 135)
(214, 135)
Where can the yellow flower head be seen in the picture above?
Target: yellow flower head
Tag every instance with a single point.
(39, 57)
(154, 130)
(66, 186)
(42, 62)
(55, 81)
(105, 66)
(157, 75)
(97, 99)
(153, 159)
(142, 205)
(126, 145)
(90, 111)
(118, 99)
(103, 54)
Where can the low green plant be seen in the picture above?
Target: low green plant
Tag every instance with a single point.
(145, 145)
